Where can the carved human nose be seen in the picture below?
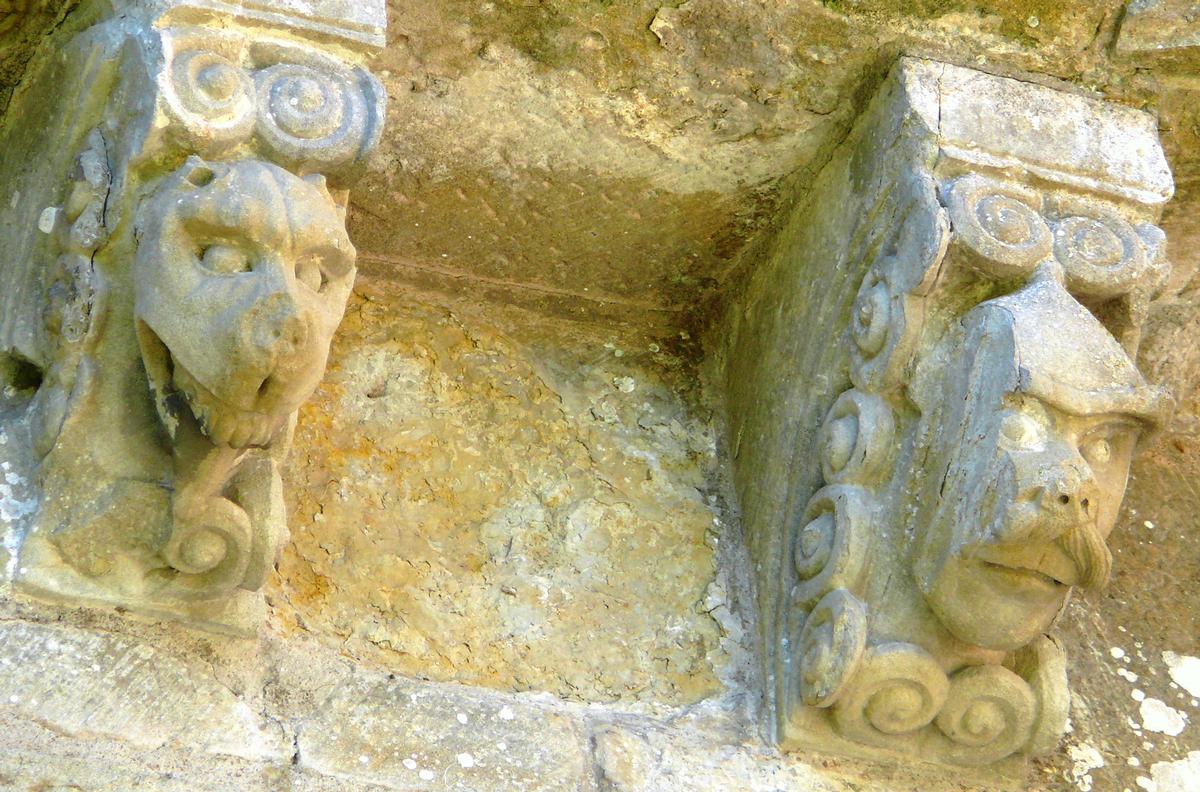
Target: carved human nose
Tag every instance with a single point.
(1070, 494)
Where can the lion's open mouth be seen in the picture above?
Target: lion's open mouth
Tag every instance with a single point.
(224, 423)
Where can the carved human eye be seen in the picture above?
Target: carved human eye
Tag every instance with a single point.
(224, 259)
(1097, 451)
(1019, 430)
(310, 273)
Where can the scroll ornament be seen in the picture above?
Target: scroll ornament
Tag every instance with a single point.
(307, 111)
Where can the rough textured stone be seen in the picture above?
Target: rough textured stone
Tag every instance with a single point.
(621, 162)
(537, 514)
(87, 683)
(387, 731)
(975, 460)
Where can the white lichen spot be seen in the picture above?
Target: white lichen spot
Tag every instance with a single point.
(410, 764)
(1133, 761)
(1182, 775)
(426, 775)
(466, 760)
(363, 759)
(503, 746)
(461, 718)
(1137, 694)
(1127, 675)
(1159, 717)
(1185, 670)
(1086, 759)
(1147, 784)
(506, 713)
(1116, 652)
(1148, 524)
(48, 219)
(624, 384)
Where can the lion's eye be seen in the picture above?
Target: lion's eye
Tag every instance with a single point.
(224, 259)
(309, 272)
(1021, 431)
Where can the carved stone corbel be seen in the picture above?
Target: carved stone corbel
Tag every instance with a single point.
(985, 291)
(188, 282)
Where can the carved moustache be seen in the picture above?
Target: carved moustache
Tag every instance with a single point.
(1090, 553)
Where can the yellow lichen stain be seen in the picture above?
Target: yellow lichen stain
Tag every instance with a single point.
(467, 507)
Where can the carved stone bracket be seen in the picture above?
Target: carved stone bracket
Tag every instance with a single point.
(182, 293)
(985, 303)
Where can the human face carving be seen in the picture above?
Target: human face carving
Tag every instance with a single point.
(242, 276)
(1042, 516)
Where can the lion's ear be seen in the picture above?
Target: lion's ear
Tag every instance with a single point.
(197, 172)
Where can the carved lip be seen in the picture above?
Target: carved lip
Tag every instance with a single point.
(1044, 569)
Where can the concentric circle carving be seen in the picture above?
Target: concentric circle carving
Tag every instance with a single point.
(871, 320)
(831, 645)
(988, 714)
(1000, 223)
(210, 545)
(211, 98)
(1101, 253)
(857, 439)
(830, 548)
(879, 327)
(898, 689)
(317, 116)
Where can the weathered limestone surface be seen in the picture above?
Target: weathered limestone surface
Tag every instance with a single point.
(84, 684)
(190, 238)
(402, 735)
(496, 511)
(629, 163)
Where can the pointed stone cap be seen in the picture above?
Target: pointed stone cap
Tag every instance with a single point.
(1067, 358)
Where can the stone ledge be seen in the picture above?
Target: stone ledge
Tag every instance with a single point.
(86, 684)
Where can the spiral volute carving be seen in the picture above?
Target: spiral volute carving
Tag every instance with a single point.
(988, 714)
(210, 545)
(1001, 223)
(857, 439)
(830, 547)
(831, 645)
(1102, 254)
(319, 117)
(898, 689)
(211, 100)
(308, 111)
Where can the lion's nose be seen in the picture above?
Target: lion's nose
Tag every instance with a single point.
(279, 329)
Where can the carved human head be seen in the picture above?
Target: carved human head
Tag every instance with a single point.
(1037, 421)
(241, 277)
